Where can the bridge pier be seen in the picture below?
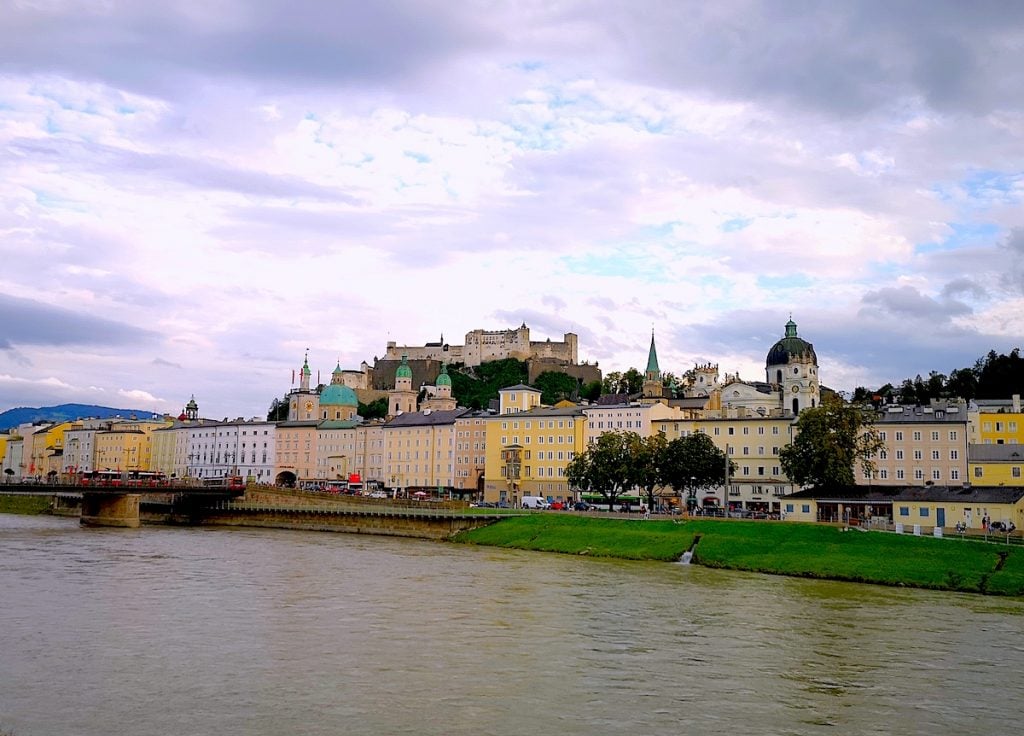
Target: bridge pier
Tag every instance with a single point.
(107, 509)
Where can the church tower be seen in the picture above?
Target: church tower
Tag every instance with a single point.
(402, 398)
(653, 388)
(792, 369)
(192, 410)
(442, 400)
(303, 403)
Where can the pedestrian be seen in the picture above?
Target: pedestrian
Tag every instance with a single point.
(647, 511)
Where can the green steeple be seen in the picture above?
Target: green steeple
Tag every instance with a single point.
(791, 328)
(652, 359)
(305, 365)
(444, 379)
(404, 370)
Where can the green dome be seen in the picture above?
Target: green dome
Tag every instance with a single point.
(338, 395)
(444, 379)
(790, 348)
(404, 371)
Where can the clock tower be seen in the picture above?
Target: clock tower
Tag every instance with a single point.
(303, 403)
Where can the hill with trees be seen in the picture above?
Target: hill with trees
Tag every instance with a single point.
(65, 413)
(995, 376)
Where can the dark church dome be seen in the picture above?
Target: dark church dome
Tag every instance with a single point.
(791, 348)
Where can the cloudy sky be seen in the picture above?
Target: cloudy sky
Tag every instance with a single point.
(193, 193)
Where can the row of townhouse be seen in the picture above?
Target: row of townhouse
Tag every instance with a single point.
(524, 449)
(59, 449)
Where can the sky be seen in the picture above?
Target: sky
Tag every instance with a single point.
(192, 194)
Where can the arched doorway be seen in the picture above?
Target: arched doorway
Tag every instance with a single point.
(286, 478)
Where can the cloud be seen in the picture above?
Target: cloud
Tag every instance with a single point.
(166, 363)
(140, 396)
(31, 322)
(908, 302)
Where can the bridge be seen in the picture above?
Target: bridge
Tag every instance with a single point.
(260, 506)
(115, 504)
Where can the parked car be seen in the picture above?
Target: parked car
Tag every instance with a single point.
(534, 502)
(557, 506)
(582, 506)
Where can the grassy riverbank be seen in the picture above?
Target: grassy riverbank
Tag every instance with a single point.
(803, 550)
(24, 505)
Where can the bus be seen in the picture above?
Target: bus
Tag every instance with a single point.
(128, 478)
(227, 482)
(624, 503)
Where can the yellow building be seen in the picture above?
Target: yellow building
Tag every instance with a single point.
(920, 445)
(3, 457)
(347, 448)
(517, 399)
(419, 451)
(996, 465)
(470, 452)
(295, 453)
(924, 506)
(528, 450)
(47, 450)
(752, 442)
(997, 422)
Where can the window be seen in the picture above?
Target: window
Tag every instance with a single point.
(935, 454)
(936, 475)
(978, 471)
(1015, 471)
(899, 454)
(925, 511)
(904, 511)
(918, 474)
(954, 474)
(883, 474)
(900, 474)
(954, 455)
(917, 454)
(917, 436)
(806, 508)
(881, 436)
(732, 430)
(899, 436)
(935, 436)
(789, 508)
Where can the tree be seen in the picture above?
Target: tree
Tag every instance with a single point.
(591, 391)
(376, 409)
(612, 383)
(555, 386)
(648, 454)
(830, 439)
(605, 467)
(634, 381)
(692, 463)
(278, 411)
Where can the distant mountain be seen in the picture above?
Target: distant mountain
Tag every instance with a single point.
(63, 413)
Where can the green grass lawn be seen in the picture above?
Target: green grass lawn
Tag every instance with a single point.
(806, 550)
(14, 504)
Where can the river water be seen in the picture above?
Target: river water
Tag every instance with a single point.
(216, 631)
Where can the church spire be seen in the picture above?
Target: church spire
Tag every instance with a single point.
(653, 372)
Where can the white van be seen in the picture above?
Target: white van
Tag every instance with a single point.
(535, 502)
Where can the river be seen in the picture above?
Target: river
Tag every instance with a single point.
(163, 630)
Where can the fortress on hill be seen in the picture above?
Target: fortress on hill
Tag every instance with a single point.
(483, 346)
